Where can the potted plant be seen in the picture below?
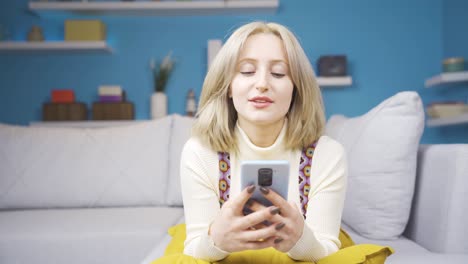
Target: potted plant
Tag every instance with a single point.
(161, 73)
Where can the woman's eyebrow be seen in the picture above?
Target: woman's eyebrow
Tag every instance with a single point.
(275, 61)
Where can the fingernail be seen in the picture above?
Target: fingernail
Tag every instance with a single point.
(251, 189)
(274, 210)
(264, 190)
(279, 226)
(278, 240)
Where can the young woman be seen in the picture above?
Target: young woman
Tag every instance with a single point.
(260, 101)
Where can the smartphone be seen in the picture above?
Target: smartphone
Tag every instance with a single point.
(272, 174)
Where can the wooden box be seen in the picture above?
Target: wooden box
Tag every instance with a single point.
(113, 111)
(64, 111)
(84, 30)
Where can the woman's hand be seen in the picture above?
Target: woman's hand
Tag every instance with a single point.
(289, 223)
(231, 231)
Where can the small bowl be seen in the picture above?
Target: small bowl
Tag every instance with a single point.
(454, 64)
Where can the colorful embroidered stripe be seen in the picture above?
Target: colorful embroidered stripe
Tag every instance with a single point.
(224, 177)
(304, 176)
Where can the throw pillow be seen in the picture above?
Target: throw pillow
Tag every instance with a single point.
(381, 147)
(181, 131)
(44, 167)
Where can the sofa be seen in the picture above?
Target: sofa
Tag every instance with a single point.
(73, 193)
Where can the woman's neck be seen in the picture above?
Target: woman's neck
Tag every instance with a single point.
(262, 135)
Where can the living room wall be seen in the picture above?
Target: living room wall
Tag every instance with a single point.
(391, 46)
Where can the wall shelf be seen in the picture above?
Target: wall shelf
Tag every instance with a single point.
(335, 81)
(76, 46)
(87, 123)
(154, 8)
(447, 78)
(447, 121)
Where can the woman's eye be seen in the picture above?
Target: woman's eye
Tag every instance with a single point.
(247, 72)
(278, 75)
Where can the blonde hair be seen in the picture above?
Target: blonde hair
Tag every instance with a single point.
(216, 117)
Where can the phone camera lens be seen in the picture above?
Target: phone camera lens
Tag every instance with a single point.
(265, 177)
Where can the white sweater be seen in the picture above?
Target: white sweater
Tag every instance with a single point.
(200, 177)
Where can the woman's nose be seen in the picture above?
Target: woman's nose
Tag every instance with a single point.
(262, 82)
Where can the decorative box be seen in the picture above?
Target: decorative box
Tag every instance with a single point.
(85, 30)
(113, 111)
(64, 111)
(331, 66)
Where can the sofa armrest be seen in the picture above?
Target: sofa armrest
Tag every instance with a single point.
(440, 207)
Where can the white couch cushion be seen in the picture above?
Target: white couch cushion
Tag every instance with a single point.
(181, 131)
(44, 167)
(439, 202)
(79, 236)
(381, 146)
(408, 251)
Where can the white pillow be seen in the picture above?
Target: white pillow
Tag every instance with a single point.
(181, 131)
(81, 167)
(381, 146)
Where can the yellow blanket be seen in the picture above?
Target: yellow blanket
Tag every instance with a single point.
(348, 254)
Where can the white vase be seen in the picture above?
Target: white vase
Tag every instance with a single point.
(158, 105)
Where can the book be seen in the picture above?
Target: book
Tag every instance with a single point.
(62, 96)
(110, 90)
(110, 98)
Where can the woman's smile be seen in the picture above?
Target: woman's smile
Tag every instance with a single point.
(260, 102)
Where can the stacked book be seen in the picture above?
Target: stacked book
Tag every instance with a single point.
(63, 96)
(63, 107)
(111, 94)
(112, 104)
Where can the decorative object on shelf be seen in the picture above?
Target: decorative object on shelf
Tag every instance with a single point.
(75, 111)
(214, 45)
(455, 64)
(161, 74)
(332, 65)
(85, 30)
(111, 94)
(112, 104)
(62, 96)
(63, 107)
(191, 106)
(35, 34)
(446, 109)
(113, 111)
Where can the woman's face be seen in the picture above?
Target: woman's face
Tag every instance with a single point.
(262, 88)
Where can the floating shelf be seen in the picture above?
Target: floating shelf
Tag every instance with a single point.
(153, 8)
(77, 46)
(447, 78)
(335, 81)
(87, 123)
(447, 121)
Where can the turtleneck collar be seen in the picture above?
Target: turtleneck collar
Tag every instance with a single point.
(251, 151)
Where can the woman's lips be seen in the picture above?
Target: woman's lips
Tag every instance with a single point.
(261, 101)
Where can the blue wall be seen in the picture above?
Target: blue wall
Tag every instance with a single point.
(391, 46)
